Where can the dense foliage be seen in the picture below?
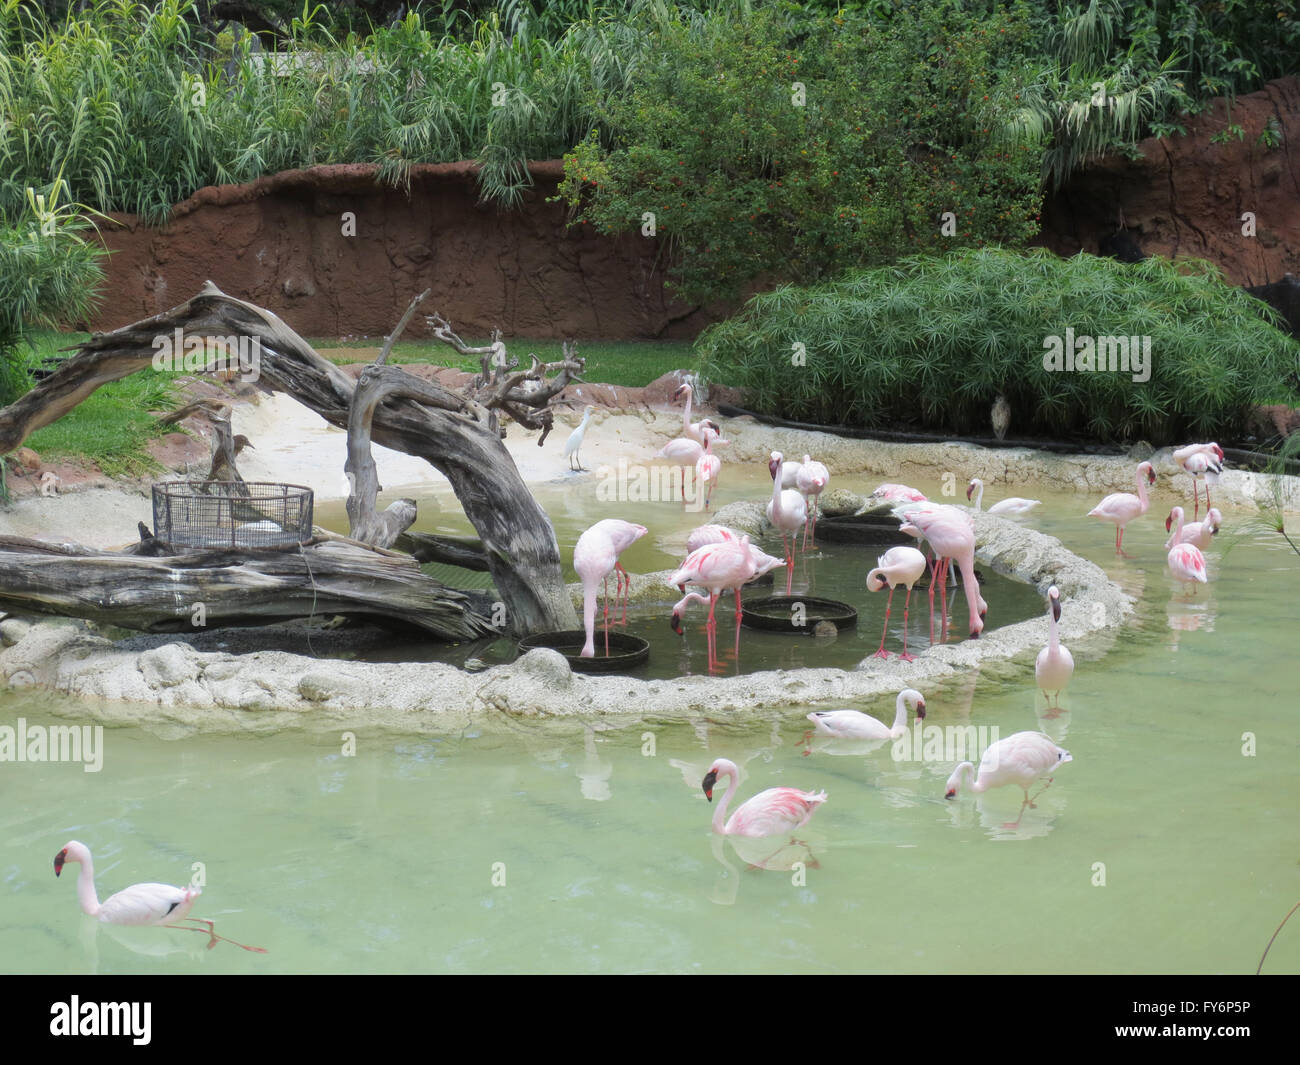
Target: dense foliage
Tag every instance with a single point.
(48, 274)
(772, 146)
(930, 342)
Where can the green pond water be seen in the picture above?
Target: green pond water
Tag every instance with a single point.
(555, 847)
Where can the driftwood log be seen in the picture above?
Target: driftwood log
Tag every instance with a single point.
(457, 434)
(171, 593)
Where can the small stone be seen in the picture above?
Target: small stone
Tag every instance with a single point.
(475, 665)
(13, 629)
(826, 631)
(547, 666)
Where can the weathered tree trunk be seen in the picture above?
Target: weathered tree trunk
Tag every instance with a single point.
(453, 433)
(214, 588)
(377, 383)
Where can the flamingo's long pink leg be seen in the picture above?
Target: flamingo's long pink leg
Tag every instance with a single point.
(943, 599)
(906, 603)
(209, 930)
(882, 653)
(789, 563)
(625, 581)
(934, 577)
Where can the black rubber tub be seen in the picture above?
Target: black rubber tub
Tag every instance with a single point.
(779, 613)
(870, 530)
(625, 651)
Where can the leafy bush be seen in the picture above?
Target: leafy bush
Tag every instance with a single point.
(928, 344)
(48, 274)
(783, 145)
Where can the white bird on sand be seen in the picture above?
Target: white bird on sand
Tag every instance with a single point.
(773, 812)
(574, 443)
(1021, 758)
(139, 904)
(1010, 505)
(854, 725)
(595, 556)
(1054, 665)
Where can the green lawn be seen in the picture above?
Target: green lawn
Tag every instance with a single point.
(632, 363)
(113, 425)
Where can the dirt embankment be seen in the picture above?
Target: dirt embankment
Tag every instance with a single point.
(1184, 197)
(335, 254)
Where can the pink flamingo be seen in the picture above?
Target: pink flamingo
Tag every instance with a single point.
(1010, 505)
(594, 556)
(1187, 564)
(693, 431)
(707, 468)
(898, 565)
(951, 535)
(716, 568)
(1054, 665)
(139, 904)
(686, 453)
(898, 493)
(810, 481)
(1021, 758)
(1198, 460)
(774, 812)
(787, 512)
(717, 534)
(1197, 533)
(1123, 507)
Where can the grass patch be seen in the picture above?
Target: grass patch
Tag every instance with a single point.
(113, 426)
(630, 363)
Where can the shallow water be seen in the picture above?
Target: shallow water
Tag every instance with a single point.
(384, 861)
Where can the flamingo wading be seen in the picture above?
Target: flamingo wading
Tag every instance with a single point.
(773, 812)
(898, 565)
(594, 556)
(139, 904)
(1122, 507)
(1021, 758)
(1054, 665)
(788, 512)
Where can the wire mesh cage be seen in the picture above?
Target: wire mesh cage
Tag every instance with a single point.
(231, 514)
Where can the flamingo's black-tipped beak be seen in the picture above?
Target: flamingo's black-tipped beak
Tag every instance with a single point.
(771, 468)
(950, 793)
(1214, 530)
(676, 623)
(678, 394)
(920, 711)
(974, 635)
(59, 860)
(1169, 522)
(707, 784)
(1056, 609)
(970, 488)
(1151, 476)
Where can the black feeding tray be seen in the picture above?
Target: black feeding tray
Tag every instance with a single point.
(776, 614)
(625, 651)
(875, 530)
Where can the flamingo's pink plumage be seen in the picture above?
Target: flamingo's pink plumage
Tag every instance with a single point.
(773, 812)
(594, 557)
(1122, 507)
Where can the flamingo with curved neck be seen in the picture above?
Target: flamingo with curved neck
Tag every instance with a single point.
(1010, 505)
(855, 725)
(139, 904)
(773, 812)
(1197, 533)
(898, 565)
(1123, 507)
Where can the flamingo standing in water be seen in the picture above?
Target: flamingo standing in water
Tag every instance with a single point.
(787, 512)
(773, 812)
(1187, 564)
(594, 556)
(716, 568)
(1197, 533)
(1054, 665)
(810, 481)
(951, 535)
(1021, 758)
(139, 904)
(707, 468)
(1200, 460)
(1123, 507)
(1010, 505)
(855, 725)
(898, 565)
